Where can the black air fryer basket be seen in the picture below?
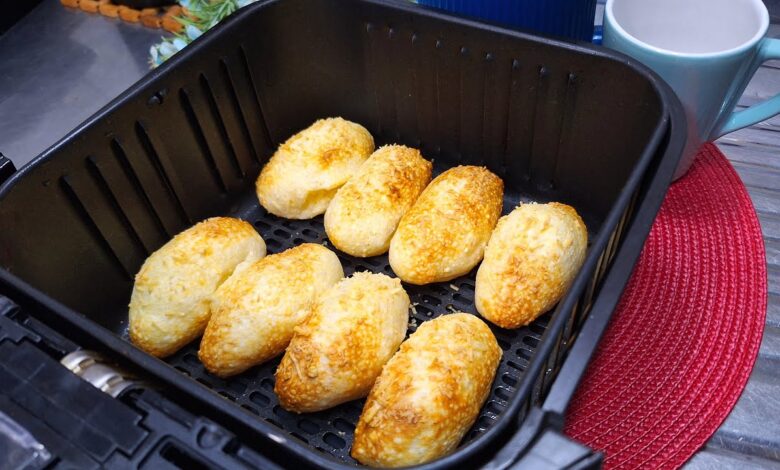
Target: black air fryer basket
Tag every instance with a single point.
(557, 121)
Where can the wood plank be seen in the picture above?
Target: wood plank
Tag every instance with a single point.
(772, 246)
(755, 176)
(770, 225)
(753, 153)
(773, 310)
(768, 136)
(766, 200)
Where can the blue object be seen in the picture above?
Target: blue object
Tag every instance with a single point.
(569, 18)
(707, 50)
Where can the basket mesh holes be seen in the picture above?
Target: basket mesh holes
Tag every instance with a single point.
(308, 426)
(514, 365)
(262, 225)
(267, 384)
(424, 310)
(274, 245)
(228, 396)
(502, 393)
(538, 329)
(431, 300)
(466, 287)
(311, 234)
(525, 354)
(494, 407)
(461, 298)
(236, 386)
(251, 409)
(281, 233)
(343, 425)
(204, 382)
(275, 423)
(484, 422)
(298, 241)
(259, 399)
(183, 370)
(503, 344)
(334, 441)
(298, 436)
(191, 360)
(531, 341)
(282, 413)
(509, 380)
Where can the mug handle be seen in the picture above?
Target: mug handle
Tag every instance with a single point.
(769, 49)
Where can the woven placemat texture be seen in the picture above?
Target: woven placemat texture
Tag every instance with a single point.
(686, 334)
(163, 17)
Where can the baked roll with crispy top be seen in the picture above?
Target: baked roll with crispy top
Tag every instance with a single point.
(444, 234)
(337, 353)
(304, 174)
(363, 216)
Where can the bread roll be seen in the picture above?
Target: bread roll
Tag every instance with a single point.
(444, 234)
(363, 216)
(429, 394)
(339, 350)
(254, 312)
(169, 306)
(304, 174)
(532, 257)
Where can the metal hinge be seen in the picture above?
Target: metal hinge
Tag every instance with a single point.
(99, 372)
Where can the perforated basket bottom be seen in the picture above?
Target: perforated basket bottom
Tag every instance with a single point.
(331, 431)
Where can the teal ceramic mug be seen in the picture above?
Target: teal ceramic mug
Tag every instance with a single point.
(707, 50)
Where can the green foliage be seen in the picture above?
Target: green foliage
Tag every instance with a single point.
(203, 15)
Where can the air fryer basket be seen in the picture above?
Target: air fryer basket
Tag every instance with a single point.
(556, 121)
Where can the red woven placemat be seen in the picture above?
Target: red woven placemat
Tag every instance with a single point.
(684, 338)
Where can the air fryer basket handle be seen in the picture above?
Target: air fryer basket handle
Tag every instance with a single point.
(7, 168)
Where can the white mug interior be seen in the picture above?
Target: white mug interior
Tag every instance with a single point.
(692, 26)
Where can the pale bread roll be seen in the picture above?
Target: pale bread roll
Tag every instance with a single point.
(365, 212)
(429, 394)
(254, 312)
(533, 255)
(444, 234)
(338, 351)
(304, 174)
(169, 306)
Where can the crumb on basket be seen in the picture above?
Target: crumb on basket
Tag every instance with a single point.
(454, 287)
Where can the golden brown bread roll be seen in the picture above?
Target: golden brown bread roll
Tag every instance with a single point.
(429, 394)
(365, 212)
(169, 306)
(254, 312)
(533, 255)
(338, 351)
(444, 234)
(304, 174)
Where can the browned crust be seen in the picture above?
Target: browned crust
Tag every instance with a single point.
(460, 206)
(522, 277)
(428, 394)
